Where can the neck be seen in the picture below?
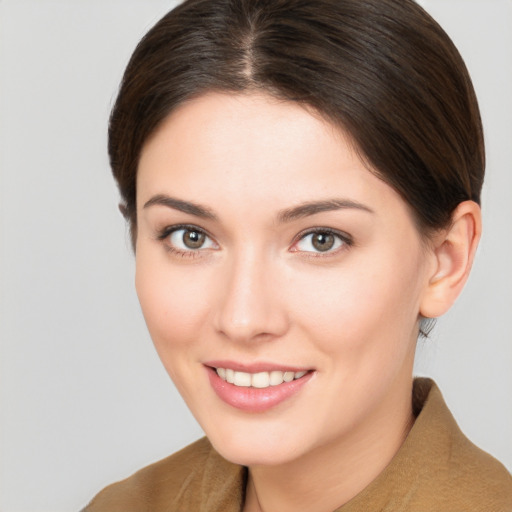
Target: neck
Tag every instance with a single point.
(331, 475)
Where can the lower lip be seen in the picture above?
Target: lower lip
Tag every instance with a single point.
(255, 399)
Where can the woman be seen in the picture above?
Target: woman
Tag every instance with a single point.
(302, 181)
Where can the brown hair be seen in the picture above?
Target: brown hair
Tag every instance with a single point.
(383, 70)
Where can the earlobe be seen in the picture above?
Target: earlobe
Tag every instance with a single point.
(453, 253)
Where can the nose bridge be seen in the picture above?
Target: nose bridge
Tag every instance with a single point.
(250, 307)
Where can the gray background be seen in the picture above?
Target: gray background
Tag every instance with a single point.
(84, 400)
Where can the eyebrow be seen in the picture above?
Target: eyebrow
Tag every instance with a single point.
(182, 206)
(287, 215)
(311, 208)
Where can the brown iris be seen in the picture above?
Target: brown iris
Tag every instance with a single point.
(322, 241)
(193, 239)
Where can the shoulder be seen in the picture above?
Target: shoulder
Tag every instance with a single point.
(454, 474)
(437, 468)
(472, 478)
(179, 480)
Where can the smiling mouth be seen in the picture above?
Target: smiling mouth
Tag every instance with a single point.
(259, 380)
(257, 387)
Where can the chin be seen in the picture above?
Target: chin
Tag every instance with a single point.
(250, 456)
(258, 450)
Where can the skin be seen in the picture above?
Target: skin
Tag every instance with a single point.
(257, 290)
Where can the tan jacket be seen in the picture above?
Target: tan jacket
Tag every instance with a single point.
(437, 469)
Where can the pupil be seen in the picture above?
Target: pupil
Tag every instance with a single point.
(193, 239)
(323, 241)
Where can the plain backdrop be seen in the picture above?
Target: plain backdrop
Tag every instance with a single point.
(84, 400)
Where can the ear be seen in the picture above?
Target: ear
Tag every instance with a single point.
(453, 254)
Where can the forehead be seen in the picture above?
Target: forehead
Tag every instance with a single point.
(243, 122)
(247, 150)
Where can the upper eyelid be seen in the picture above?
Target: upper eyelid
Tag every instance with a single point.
(162, 236)
(342, 234)
(167, 230)
(346, 239)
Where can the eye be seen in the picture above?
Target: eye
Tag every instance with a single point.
(187, 239)
(321, 241)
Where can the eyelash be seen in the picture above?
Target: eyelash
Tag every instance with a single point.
(345, 239)
(165, 233)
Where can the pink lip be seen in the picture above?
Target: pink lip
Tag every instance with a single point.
(253, 399)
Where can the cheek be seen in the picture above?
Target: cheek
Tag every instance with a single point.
(173, 302)
(356, 308)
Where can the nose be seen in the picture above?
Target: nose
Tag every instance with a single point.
(250, 305)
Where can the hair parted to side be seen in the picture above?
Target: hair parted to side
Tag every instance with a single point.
(382, 70)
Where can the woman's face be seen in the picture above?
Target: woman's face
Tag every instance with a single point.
(266, 249)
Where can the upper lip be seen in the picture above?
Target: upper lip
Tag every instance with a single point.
(256, 367)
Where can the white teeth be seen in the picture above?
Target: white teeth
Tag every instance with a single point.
(276, 378)
(288, 376)
(259, 380)
(242, 379)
